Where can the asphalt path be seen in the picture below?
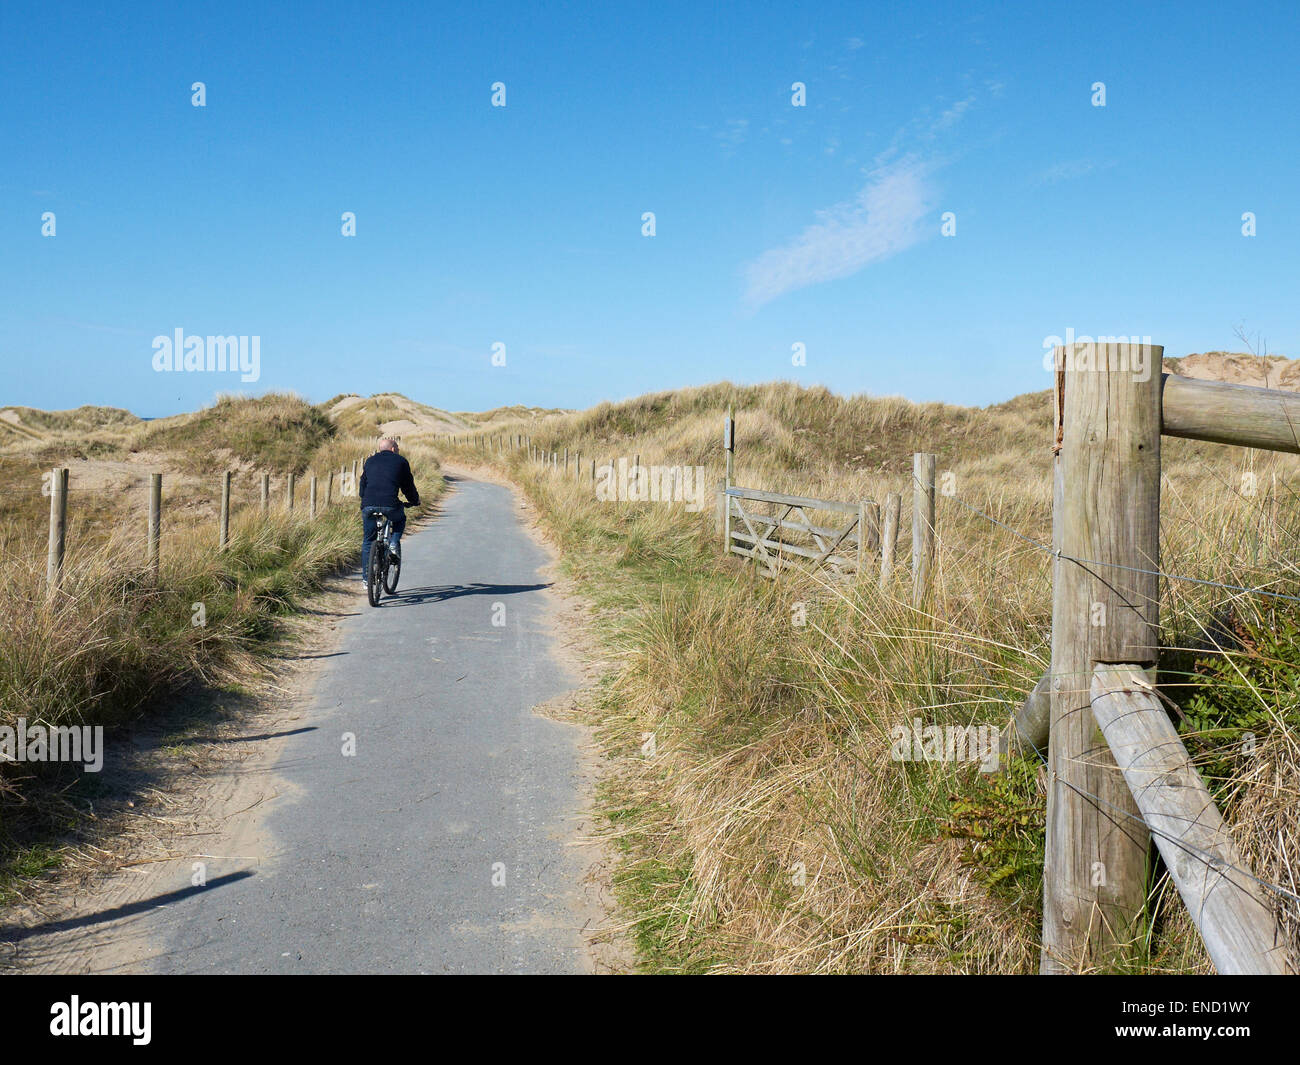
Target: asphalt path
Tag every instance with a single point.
(442, 842)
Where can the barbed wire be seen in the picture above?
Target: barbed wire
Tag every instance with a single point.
(1209, 860)
(1057, 553)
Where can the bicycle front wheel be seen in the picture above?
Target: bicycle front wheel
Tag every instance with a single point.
(392, 571)
(375, 574)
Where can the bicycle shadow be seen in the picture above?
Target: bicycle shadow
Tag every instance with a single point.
(441, 593)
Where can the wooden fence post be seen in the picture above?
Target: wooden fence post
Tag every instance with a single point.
(577, 467)
(862, 541)
(889, 537)
(922, 526)
(153, 551)
(288, 496)
(868, 534)
(223, 538)
(312, 493)
(1105, 609)
(329, 490)
(266, 492)
(58, 528)
(729, 448)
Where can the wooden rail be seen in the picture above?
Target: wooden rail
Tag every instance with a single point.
(1230, 414)
(795, 501)
(1229, 906)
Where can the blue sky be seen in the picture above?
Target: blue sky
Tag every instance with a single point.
(522, 224)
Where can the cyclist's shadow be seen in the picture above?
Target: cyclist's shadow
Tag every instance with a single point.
(439, 593)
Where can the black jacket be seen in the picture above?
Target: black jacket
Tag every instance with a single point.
(383, 474)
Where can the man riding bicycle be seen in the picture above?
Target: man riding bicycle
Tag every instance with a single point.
(382, 475)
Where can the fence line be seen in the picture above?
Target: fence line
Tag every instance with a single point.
(60, 482)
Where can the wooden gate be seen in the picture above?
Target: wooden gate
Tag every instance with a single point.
(788, 537)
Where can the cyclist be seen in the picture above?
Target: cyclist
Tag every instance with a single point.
(382, 475)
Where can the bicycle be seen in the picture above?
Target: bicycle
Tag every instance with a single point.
(385, 568)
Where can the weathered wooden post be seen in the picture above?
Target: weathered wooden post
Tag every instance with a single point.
(153, 550)
(1105, 609)
(922, 526)
(577, 467)
(223, 538)
(729, 448)
(566, 462)
(266, 492)
(58, 528)
(889, 537)
(312, 494)
(720, 509)
(288, 496)
(329, 490)
(868, 533)
(593, 471)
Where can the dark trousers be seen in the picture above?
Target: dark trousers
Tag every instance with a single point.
(370, 526)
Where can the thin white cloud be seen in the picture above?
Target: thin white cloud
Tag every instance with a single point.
(733, 135)
(1066, 170)
(885, 219)
(953, 115)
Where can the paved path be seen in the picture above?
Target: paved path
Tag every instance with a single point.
(385, 861)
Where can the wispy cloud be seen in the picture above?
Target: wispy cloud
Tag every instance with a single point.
(733, 134)
(952, 115)
(1067, 169)
(884, 219)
